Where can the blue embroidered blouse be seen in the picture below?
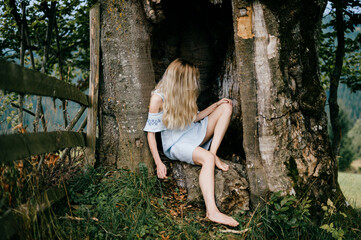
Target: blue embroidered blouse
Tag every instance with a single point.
(178, 144)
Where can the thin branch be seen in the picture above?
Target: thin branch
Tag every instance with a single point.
(82, 125)
(49, 35)
(39, 108)
(60, 63)
(79, 218)
(71, 126)
(75, 119)
(22, 57)
(15, 14)
(25, 110)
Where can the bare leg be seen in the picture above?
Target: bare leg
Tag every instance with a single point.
(218, 122)
(206, 181)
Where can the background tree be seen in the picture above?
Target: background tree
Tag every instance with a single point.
(345, 16)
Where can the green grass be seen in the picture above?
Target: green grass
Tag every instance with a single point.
(356, 165)
(118, 204)
(350, 184)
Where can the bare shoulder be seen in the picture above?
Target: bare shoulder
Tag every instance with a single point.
(155, 104)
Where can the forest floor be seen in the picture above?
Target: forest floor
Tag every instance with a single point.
(108, 203)
(118, 204)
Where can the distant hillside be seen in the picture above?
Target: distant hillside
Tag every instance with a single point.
(350, 101)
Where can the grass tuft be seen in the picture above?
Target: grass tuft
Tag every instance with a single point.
(108, 203)
(350, 184)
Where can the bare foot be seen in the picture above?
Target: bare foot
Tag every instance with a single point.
(221, 218)
(221, 165)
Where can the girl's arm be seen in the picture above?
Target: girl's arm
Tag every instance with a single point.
(154, 107)
(161, 168)
(204, 113)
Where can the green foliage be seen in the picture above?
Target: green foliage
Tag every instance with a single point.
(117, 204)
(336, 233)
(121, 203)
(289, 212)
(339, 58)
(282, 217)
(329, 212)
(287, 217)
(72, 17)
(351, 72)
(71, 32)
(9, 116)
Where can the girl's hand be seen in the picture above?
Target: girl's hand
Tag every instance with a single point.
(204, 113)
(161, 170)
(224, 100)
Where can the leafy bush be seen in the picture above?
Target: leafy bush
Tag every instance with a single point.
(288, 212)
(283, 217)
(329, 227)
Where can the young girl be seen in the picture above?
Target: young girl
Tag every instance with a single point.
(186, 133)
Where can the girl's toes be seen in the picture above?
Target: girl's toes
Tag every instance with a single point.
(225, 167)
(221, 165)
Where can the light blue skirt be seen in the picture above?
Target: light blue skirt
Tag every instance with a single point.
(180, 144)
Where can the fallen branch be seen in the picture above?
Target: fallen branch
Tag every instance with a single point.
(237, 231)
(79, 218)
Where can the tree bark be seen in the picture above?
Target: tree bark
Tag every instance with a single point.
(126, 81)
(285, 126)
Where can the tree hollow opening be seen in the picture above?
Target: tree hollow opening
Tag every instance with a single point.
(201, 33)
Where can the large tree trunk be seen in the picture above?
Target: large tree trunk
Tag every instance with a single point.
(262, 54)
(126, 81)
(285, 126)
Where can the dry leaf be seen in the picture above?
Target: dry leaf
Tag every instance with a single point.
(165, 238)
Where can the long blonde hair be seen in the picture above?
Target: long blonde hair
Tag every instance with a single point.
(179, 85)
